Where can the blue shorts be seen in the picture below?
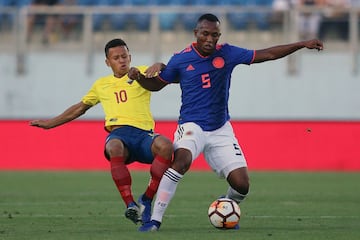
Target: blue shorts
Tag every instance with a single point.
(137, 141)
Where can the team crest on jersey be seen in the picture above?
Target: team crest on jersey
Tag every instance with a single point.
(113, 119)
(218, 62)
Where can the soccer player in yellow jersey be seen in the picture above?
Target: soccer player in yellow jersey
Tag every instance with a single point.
(130, 125)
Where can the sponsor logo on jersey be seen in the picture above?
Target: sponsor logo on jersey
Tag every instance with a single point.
(189, 133)
(190, 68)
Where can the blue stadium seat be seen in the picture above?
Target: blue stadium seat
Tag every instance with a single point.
(141, 20)
(22, 3)
(6, 19)
(70, 22)
(116, 21)
(98, 19)
(240, 21)
(121, 20)
(189, 19)
(167, 21)
(6, 3)
(86, 2)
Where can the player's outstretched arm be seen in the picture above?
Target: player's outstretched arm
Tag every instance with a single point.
(151, 81)
(68, 115)
(280, 51)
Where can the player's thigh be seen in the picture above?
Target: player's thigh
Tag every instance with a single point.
(189, 136)
(223, 152)
(224, 159)
(142, 151)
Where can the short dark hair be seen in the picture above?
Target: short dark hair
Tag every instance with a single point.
(114, 43)
(209, 17)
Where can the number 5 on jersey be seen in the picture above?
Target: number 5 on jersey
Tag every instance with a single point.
(206, 83)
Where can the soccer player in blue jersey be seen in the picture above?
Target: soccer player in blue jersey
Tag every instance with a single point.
(204, 72)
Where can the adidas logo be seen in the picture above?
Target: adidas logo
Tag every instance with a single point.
(190, 68)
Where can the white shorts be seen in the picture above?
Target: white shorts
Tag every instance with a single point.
(220, 147)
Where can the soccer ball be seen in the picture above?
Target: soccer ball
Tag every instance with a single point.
(224, 213)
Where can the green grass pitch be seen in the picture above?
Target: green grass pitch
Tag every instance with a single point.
(86, 205)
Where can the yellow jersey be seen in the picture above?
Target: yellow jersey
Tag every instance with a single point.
(122, 103)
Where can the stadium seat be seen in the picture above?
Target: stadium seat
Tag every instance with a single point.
(141, 20)
(86, 2)
(240, 21)
(22, 3)
(6, 3)
(5, 18)
(189, 19)
(116, 21)
(8, 19)
(71, 22)
(99, 19)
(121, 20)
(167, 21)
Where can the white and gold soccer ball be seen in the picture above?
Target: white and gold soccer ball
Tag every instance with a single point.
(224, 213)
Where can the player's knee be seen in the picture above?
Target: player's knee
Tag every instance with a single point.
(163, 147)
(182, 160)
(181, 167)
(114, 148)
(167, 149)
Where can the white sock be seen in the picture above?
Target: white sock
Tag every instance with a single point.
(165, 193)
(234, 195)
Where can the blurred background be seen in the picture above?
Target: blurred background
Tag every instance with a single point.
(51, 51)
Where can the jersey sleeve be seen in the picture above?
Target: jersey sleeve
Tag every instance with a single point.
(240, 55)
(170, 73)
(91, 98)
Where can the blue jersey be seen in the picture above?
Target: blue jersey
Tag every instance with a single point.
(205, 82)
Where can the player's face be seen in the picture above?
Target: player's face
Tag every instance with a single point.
(207, 35)
(119, 60)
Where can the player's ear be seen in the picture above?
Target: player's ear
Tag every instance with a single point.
(130, 57)
(107, 62)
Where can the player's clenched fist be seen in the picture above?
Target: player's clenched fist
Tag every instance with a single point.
(134, 73)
